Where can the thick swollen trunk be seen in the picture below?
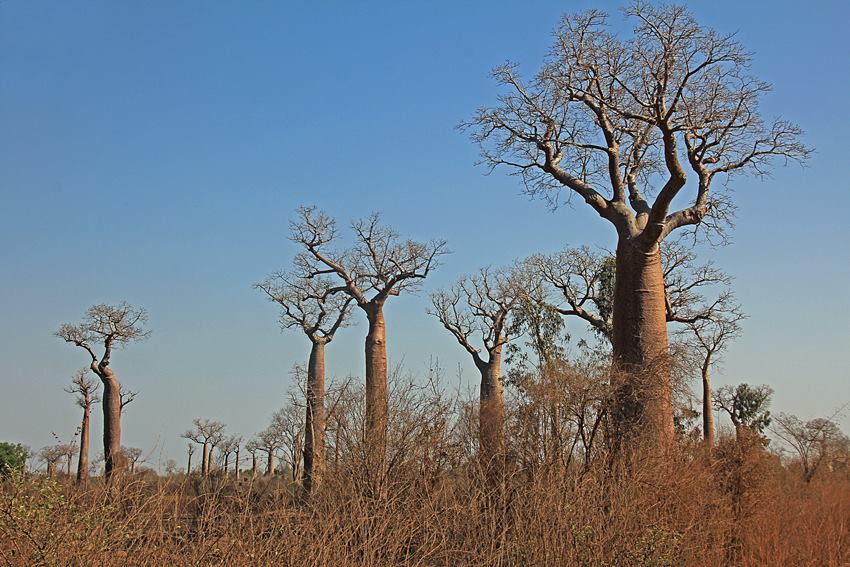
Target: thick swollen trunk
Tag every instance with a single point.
(114, 460)
(491, 419)
(83, 461)
(642, 410)
(205, 459)
(707, 412)
(314, 436)
(376, 387)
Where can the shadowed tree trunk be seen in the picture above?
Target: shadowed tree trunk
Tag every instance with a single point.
(491, 421)
(83, 460)
(707, 405)
(314, 433)
(270, 464)
(189, 463)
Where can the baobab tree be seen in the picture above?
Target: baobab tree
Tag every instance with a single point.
(707, 337)
(133, 454)
(228, 447)
(269, 441)
(113, 326)
(746, 406)
(477, 311)
(621, 123)
(190, 449)
(378, 266)
(815, 441)
(206, 433)
(252, 448)
(307, 304)
(51, 455)
(86, 390)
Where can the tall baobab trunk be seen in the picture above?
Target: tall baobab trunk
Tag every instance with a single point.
(113, 458)
(189, 465)
(314, 432)
(205, 459)
(236, 472)
(491, 420)
(376, 386)
(707, 410)
(226, 464)
(253, 465)
(68, 465)
(51, 468)
(270, 464)
(642, 407)
(83, 461)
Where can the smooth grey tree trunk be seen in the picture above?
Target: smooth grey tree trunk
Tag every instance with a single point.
(113, 459)
(314, 432)
(83, 460)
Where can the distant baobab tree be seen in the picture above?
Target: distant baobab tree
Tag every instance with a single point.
(51, 455)
(190, 449)
(310, 305)
(86, 390)
(207, 433)
(477, 312)
(378, 266)
(252, 448)
(111, 326)
(133, 454)
(620, 123)
(229, 446)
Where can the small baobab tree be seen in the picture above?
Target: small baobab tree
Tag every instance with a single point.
(816, 442)
(252, 448)
(228, 447)
(310, 305)
(51, 455)
(620, 123)
(85, 389)
(746, 406)
(111, 326)
(134, 455)
(190, 449)
(379, 265)
(208, 434)
(477, 311)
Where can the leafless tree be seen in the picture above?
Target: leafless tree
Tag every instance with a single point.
(111, 326)
(208, 434)
(378, 266)
(86, 390)
(288, 423)
(815, 441)
(51, 455)
(252, 448)
(477, 311)
(229, 446)
(133, 454)
(190, 447)
(618, 123)
(707, 335)
(269, 441)
(307, 304)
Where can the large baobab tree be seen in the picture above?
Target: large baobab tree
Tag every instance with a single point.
(111, 326)
(621, 123)
(86, 390)
(208, 434)
(477, 311)
(307, 304)
(379, 265)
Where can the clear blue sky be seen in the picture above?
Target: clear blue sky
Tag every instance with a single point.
(154, 152)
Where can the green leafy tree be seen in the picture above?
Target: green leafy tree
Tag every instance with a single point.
(13, 457)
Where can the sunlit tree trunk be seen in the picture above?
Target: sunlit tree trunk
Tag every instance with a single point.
(376, 387)
(83, 461)
(707, 409)
(642, 407)
(113, 459)
(491, 419)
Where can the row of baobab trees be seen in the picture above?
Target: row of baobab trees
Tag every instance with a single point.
(485, 312)
(632, 127)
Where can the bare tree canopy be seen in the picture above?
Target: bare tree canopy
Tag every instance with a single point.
(619, 122)
(815, 442)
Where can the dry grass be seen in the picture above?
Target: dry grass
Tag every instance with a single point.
(681, 511)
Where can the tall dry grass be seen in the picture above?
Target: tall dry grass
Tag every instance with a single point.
(437, 506)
